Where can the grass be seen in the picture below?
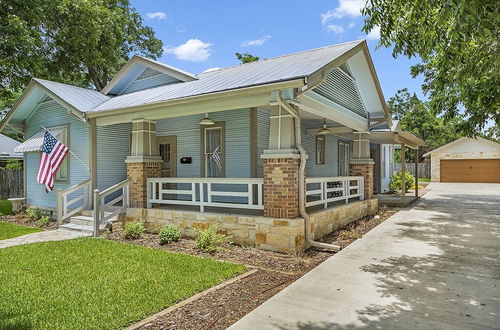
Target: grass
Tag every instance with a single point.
(424, 179)
(5, 207)
(89, 283)
(10, 230)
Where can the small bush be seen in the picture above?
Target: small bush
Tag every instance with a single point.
(34, 213)
(14, 165)
(396, 184)
(169, 233)
(134, 230)
(43, 221)
(209, 240)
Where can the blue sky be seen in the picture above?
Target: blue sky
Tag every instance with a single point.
(199, 35)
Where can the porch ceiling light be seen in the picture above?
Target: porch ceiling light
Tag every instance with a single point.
(324, 130)
(206, 121)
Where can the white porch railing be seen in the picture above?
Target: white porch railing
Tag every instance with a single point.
(103, 211)
(242, 193)
(331, 189)
(66, 208)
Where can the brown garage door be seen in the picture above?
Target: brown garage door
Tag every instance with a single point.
(470, 170)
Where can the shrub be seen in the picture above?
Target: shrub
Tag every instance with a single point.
(134, 230)
(169, 233)
(43, 221)
(14, 165)
(33, 213)
(209, 240)
(397, 185)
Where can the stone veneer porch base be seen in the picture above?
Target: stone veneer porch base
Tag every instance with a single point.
(274, 234)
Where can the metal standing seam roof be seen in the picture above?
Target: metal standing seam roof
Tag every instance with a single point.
(81, 99)
(35, 142)
(282, 68)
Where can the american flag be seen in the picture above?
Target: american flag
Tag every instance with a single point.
(53, 153)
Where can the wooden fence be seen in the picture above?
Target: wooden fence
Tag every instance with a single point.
(11, 183)
(424, 169)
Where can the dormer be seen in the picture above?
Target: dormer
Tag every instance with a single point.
(142, 73)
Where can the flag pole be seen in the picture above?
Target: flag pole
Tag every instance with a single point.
(81, 161)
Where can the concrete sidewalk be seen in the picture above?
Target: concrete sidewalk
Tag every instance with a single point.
(435, 266)
(43, 236)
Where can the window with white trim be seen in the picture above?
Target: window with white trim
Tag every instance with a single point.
(344, 158)
(213, 151)
(320, 149)
(62, 174)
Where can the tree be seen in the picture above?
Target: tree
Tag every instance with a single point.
(80, 42)
(458, 44)
(247, 57)
(416, 116)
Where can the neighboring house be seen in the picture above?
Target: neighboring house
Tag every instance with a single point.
(7, 153)
(168, 145)
(466, 160)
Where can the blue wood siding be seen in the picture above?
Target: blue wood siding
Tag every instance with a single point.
(113, 147)
(187, 130)
(150, 82)
(330, 168)
(51, 114)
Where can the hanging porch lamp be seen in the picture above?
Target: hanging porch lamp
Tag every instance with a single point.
(324, 130)
(206, 121)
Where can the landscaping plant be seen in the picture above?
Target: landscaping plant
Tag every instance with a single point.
(169, 233)
(209, 240)
(134, 230)
(396, 184)
(33, 213)
(43, 221)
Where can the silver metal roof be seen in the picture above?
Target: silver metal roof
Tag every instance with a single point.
(282, 68)
(35, 142)
(80, 98)
(7, 146)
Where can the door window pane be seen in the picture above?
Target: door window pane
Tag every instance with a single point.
(213, 152)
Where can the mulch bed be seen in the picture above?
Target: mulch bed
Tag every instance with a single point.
(223, 307)
(23, 220)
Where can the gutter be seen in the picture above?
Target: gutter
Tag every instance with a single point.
(302, 179)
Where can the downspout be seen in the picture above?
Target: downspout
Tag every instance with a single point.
(302, 179)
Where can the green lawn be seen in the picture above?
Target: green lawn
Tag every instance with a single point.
(5, 207)
(424, 179)
(10, 230)
(89, 283)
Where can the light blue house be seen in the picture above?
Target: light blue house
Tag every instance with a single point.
(244, 138)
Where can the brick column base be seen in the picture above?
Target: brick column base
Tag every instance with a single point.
(366, 171)
(137, 174)
(281, 187)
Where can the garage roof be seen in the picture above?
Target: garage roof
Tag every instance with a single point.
(462, 140)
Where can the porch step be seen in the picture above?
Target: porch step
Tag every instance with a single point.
(82, 220)
(81, 228)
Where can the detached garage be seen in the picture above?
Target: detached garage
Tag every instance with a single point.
(466, 160)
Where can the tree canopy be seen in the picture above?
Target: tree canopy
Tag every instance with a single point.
(246, 57)
(458, 44)
(415, 116)
(80, 42)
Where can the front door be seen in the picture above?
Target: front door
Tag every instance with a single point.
(167, 147)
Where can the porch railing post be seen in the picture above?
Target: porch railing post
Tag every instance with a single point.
(97, 213)
(59, 206)
(202, 197)
(361, 187)
(347, 191)
(149, 193)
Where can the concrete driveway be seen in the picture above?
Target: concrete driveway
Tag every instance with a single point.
(434, 266)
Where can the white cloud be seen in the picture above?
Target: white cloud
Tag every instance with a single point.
(351, 25)
(350, 8)
(374, 34)
(211, 69)
(256, 42)
(158, 15)
(337, 29)
(193, 50)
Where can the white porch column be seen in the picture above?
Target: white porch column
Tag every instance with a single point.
(361, 163)
(281, 168)
(144, 162)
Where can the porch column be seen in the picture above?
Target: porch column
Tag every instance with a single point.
(416, 172)
(361, 164)
(403, 172)
(281, 168)
(143, 162)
